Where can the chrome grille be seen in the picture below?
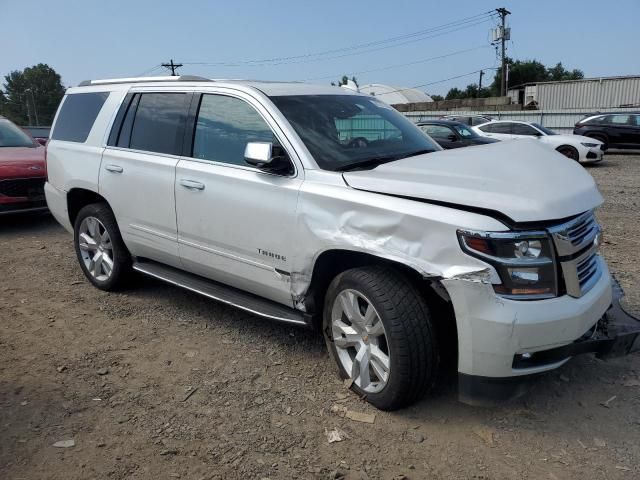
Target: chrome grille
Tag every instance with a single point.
(582, 230)
(587, 270)
(577, 243)
(22, 187)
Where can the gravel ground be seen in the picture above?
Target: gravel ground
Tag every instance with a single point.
(160, 383)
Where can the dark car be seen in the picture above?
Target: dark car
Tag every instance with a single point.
(615, 130)
(41, 134)
(471, 120)
(450, 134)
(22, 170)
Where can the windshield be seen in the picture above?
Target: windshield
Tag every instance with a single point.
(545, 130)
(343, 132)
(465, 132)
(12, 136)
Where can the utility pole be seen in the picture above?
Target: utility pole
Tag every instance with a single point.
(26, 100)
(503, 12)
(35, 108)
(172, 66)
(480, 82)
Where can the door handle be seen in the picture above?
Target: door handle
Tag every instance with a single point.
(113, 168)
(192, 184)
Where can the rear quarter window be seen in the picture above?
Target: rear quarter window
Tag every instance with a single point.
(77, 115)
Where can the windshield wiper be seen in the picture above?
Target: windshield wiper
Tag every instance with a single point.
(371, 163)
(368, 163)
(418, 152)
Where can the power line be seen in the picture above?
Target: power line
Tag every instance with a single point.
(147, 72)
(440, 81)
(447, 28)
(398, 65)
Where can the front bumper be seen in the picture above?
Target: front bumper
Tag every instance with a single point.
(21, 195)
(617, 333)
(593, 155)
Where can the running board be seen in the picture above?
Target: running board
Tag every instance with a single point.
(223, 293)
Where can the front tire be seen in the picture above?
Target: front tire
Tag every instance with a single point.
(378, 329)
(103, 256)
(569, 152)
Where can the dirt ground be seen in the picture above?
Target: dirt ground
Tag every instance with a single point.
(161, 383)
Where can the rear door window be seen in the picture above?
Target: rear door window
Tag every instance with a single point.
(158, 125)
(437, 131)
(496, 128)
(77, 115)
(522, 129)
(619, 120)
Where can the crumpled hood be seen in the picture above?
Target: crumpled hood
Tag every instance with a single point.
(525, 180)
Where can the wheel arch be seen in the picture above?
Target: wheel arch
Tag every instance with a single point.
(330, 263)
(77, 198)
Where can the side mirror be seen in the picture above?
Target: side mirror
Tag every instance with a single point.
(258, 154)
(266, 156)
(42, 141)
(452, 137)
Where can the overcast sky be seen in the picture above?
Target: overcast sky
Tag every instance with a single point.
(115, 38)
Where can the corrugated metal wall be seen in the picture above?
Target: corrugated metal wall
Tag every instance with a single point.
(589, 94)
(560, 120)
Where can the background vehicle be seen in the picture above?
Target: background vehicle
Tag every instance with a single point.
(471, 120)
(615, 130)
(22, 170)
(40, 134)
(450, 134)
(575, 147)
(278, 199)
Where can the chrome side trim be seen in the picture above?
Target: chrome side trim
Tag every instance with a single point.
(226, 255)
(222, 293)
(152, 232)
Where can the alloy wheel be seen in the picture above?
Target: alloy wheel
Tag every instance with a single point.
(96, 248)
(360, 340)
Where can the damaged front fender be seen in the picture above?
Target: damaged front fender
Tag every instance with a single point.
(417, 235)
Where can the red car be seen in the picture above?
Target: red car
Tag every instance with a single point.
(22, 171)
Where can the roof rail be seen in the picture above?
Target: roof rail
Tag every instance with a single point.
(110, 81)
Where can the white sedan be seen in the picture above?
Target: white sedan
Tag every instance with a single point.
(576, 147)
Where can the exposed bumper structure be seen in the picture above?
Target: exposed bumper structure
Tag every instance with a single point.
(616, 334)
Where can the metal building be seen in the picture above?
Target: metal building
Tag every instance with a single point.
(589, 93)
(395, 95)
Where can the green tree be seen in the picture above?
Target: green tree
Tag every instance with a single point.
(560, 73)
(520, 72)
(436, 98)
(454, 93)
(531, 71)
(32, 95)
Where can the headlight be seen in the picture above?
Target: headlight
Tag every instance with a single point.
(589, 145)
(523, 260)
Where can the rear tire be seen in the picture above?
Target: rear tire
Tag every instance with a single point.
(103, 256)
(386, 324)
(569, 152)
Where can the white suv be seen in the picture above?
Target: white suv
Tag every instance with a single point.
(319, 206)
